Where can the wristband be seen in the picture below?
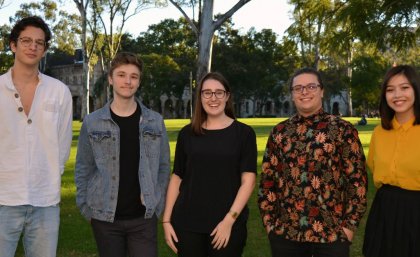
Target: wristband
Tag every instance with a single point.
(233, 214)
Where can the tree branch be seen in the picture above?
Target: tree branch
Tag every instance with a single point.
(192, 24)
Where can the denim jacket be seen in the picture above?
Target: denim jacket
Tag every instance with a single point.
(97, 164)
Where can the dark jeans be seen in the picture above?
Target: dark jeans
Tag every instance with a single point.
(281, 247)
(193, 244)
(135, 237)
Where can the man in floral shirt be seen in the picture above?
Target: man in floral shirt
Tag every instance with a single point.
(313, 186)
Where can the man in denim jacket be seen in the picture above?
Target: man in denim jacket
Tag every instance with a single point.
(122, 167)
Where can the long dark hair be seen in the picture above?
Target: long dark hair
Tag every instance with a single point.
(200, 114)
(387, 113)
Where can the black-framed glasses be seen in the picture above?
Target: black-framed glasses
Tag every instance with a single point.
(207, 93)
(27, 41)
(311, 87)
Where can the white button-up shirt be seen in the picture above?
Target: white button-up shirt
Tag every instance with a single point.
(34, 147)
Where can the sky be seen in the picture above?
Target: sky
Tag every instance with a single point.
(271, 14)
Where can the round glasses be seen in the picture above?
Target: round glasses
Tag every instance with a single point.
(219, 94)
(311, 87)
(27, 41)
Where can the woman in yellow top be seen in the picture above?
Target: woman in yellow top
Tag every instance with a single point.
(393, 225)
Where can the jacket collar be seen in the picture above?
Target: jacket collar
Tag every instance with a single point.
(105, 112)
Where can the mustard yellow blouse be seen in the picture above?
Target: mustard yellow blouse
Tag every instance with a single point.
(394, 155)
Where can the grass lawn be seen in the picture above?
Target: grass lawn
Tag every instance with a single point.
(76, 237)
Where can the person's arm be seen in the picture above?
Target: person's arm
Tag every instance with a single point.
(267, 196)
(354, 167)
(223, 230)
(370, 163)
(248, 167)
(83, 171)
(65, 129)
(173, 191)
(171, 196)
(164, 168)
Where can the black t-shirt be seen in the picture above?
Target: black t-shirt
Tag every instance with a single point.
(129, 205)
(210, 167)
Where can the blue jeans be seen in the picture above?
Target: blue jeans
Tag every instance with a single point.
(38, 224)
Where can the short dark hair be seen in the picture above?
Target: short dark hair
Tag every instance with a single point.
(200, 114)
(306, 70)
(32, 21)
(123, 58)
(386, 112)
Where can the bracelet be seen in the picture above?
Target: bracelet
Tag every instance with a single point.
(168, 221)
(233, 214)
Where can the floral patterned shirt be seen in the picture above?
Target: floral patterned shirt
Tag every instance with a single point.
(313, 180)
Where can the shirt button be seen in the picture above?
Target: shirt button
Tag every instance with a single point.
(113, 157)
(112, 198)
(113, 139)
(17, 95)
(29, 121)
(113, 177)
(20, 109)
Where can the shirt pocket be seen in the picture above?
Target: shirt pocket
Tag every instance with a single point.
(152, 140)
(50, 110)
(101, 144)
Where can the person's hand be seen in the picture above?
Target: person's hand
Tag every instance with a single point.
(170, 236)
(268, 229)
(348, 233)
(222, 233)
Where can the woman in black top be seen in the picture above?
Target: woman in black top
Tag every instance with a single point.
(213, 178)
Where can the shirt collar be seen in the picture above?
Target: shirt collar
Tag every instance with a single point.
(396, 125)
(311, 118)
(10, 85)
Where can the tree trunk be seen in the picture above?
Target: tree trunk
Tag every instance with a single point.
(205, 43)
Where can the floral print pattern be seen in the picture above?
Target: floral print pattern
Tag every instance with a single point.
(313, 180)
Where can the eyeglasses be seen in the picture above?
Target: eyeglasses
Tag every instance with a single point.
(219, 94)
(311, 87)
(27, 41)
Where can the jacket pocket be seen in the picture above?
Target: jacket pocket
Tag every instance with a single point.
(101, 144)
(152, 142)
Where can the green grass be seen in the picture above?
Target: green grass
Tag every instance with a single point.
(76, 239)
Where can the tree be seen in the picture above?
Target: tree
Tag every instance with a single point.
(256, 64)
(386, 23)
(117, 12)
(159, 77)
(6, 59)
(89, 25)
(367, 76)
(205, 28)
(176, 40)
(65, 29)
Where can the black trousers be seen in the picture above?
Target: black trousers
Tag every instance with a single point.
(133, 237)
(191, 244)
(281, 247)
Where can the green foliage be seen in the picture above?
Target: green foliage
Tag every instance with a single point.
(65, 29)
(386, 23)
(367, 76)
(160, 77)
